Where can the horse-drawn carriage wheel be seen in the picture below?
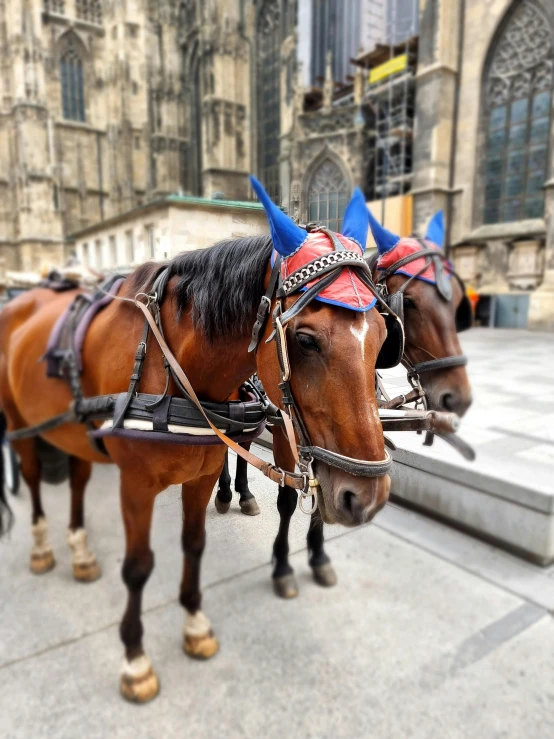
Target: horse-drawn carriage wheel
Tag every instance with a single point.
(11, 469)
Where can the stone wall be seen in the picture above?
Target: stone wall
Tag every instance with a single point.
(148, 68)
(449, 165)
(163, 229)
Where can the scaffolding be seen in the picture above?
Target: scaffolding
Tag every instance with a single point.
(390, 98)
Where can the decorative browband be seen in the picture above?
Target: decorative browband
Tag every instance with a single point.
(318, 267)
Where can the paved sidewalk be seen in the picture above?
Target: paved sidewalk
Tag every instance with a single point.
(511, 421)
(429, 633)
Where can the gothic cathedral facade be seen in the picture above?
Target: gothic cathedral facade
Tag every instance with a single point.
(109, 104)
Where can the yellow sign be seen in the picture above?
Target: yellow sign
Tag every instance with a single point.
(397, 64)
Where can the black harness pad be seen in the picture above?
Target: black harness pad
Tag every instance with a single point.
(393, 347)
(464, 315)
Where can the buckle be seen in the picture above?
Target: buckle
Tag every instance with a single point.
(150, 298)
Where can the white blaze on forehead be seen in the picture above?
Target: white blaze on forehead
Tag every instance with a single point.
(361, 333)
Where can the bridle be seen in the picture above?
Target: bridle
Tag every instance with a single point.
(395, 301)
(325, 269)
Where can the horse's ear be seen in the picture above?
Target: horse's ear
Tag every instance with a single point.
(435, 229)
(287, 236)
(384, 238)
(356, 222)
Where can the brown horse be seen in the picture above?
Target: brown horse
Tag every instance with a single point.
(431, 325)
(211, 302)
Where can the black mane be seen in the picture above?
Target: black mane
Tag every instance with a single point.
(222, 285)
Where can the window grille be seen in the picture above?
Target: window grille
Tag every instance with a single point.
(73, 100)
(518, 103)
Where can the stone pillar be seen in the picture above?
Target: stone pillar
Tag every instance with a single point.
(437, 78)
(541, 305)
(328, 85)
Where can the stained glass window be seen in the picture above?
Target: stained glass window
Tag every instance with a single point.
(518, 94)
(327, 196)
(73, 100)
(269, 123)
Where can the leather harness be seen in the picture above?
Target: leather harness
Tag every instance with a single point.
(325, 270)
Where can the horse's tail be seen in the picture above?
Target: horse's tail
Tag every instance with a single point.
(6, 515)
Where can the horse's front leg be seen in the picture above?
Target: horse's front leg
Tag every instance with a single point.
(322, 569)
(85, 566)
(224, 494)
(199, 640)
(284, 581)
(139, 682)
(247, 502)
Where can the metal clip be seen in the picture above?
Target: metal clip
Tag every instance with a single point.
(311, 483)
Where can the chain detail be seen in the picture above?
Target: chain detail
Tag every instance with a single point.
(313, 268)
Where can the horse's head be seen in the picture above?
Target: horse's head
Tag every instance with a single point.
(435, 308)
(329, 344)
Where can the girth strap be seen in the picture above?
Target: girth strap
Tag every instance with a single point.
(41, 428)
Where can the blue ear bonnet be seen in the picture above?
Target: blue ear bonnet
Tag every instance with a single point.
(286, 235)
(435, 230)
(355, 224)
(384, 239)
(288, 238)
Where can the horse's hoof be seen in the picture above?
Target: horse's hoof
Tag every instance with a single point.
(285, 586)
(221, 506)
(42, 563)
(201, 647)
(139, 683)
(87, 572)
(325, 575)
(249, 507)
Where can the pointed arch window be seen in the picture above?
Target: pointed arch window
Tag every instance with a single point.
(269, 98)
(518, 104)
(327, 196)
(73, 98)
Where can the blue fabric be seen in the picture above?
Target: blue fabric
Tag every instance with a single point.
(420, 277)
(363, 309)
(356, 221)
(384, 238)
(435, 229)
(287, 236)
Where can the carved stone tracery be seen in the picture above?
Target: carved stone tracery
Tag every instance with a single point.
(523, 58)
(327, 178)
(268, 18)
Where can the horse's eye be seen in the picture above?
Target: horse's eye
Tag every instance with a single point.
(307, 342)
(409, 303)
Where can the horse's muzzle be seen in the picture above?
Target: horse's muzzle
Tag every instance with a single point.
(348, 499)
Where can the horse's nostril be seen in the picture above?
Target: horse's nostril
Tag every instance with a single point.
(348, 499)
(448, 402)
